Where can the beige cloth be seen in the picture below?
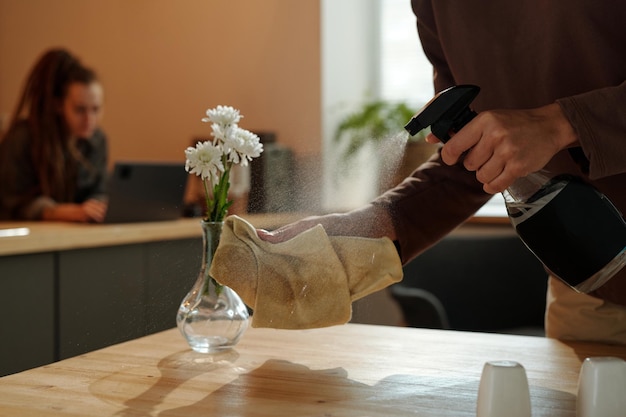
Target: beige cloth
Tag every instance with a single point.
(575, 316)
(306, 282)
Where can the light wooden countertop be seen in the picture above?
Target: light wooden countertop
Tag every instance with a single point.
(33, 237)
(351, 370)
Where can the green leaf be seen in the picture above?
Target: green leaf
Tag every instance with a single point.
(373, 122)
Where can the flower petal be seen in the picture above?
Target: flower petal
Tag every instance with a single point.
(223, 115)
(205, 160)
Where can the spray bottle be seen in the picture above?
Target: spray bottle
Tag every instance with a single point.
(571, 227)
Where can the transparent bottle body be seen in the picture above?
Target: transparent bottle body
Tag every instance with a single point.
(572, 228)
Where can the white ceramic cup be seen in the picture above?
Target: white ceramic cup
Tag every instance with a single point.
(503, 390)
(602, 388)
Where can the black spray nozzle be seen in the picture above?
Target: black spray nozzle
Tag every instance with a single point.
(447, 112)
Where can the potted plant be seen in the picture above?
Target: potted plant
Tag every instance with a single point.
(381, 123)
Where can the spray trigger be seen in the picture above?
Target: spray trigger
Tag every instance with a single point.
(447, 112)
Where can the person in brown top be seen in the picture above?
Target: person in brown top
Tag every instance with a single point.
(553, 95)
(53, 157)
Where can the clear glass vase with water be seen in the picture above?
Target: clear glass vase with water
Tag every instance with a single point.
(211, 317)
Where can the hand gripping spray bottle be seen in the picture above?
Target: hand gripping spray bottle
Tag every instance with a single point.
(572, 228)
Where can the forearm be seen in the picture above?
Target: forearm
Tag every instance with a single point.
(64, 212)
(429, 204)
(370, 221)
(89, 211)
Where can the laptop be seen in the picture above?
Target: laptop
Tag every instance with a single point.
(146, 192)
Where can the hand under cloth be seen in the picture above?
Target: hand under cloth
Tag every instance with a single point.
(306, 282)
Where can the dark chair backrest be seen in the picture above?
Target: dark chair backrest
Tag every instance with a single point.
(484, 283)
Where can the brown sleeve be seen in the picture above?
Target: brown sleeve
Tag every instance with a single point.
(436, 198)
(599, 118)
(19, 184)
(430, 203)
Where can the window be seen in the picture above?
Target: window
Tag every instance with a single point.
(406, 74)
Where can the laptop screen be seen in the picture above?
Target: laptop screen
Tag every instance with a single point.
(146, 191)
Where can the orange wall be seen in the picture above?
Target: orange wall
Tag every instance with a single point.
(164, 62)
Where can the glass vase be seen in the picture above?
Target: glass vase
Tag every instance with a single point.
(211, 317)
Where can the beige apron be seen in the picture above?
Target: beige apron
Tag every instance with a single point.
(574, 316)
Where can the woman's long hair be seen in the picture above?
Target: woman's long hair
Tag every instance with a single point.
(52, 154)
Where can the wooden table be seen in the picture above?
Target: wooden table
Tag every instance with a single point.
(350, 370)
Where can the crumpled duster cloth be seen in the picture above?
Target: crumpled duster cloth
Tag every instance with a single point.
(309, 281)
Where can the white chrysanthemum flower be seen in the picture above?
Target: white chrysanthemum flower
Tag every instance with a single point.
(221, 132)
(230, 142)
(205, 161)
(212, 160)
(242, 146)
(223, 115)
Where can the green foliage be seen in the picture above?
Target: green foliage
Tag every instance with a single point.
(374, 122)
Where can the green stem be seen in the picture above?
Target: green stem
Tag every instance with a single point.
(220, 205)
(217, 201)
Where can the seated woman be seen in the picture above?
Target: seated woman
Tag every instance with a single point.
(53, 157)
